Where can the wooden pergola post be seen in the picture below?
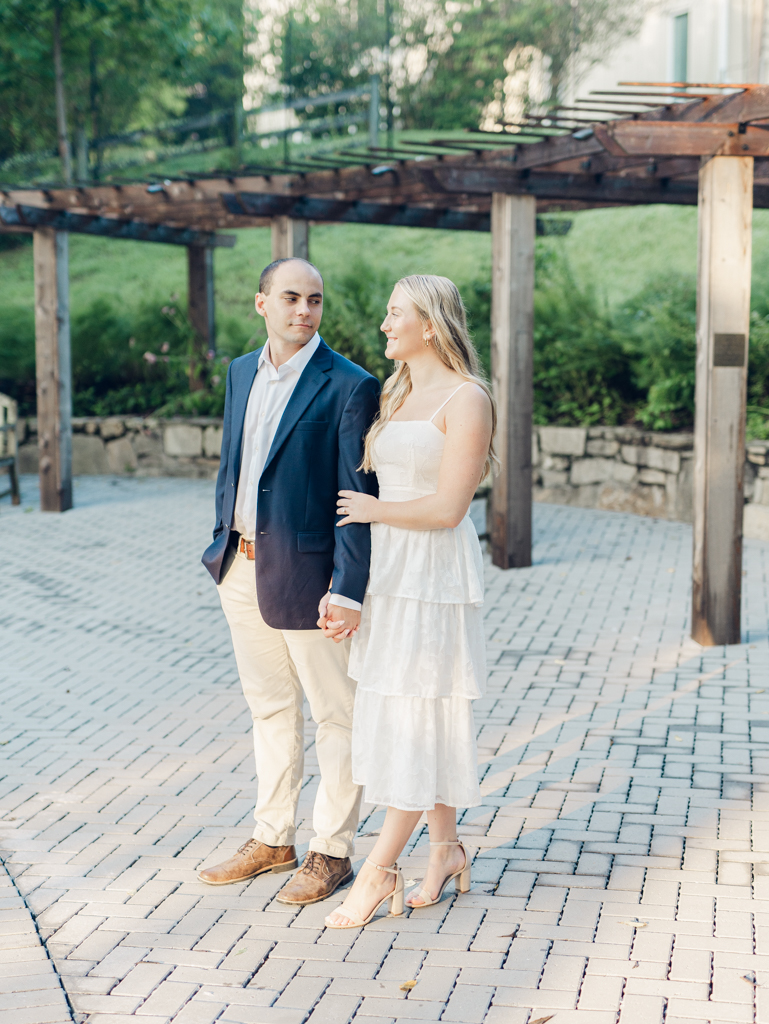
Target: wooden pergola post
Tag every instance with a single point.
(513, 229)
(723, 321)
(200, 304)
(54, 370)
(290, 237)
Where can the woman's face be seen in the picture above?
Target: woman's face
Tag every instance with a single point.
(405, 329)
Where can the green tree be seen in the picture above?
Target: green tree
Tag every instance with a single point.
(447, 56)
(126, 64)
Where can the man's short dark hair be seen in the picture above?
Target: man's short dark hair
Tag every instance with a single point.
(266, 276)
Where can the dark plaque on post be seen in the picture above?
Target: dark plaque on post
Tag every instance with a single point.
(728, 350)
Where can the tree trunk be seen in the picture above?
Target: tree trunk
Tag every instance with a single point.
(61, 109)
(93, 95)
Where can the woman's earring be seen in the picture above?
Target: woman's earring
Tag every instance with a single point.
(427, 342)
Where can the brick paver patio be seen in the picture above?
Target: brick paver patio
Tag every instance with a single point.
(621, 869)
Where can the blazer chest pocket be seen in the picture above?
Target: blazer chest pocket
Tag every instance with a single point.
(314, 543)
(311, 425)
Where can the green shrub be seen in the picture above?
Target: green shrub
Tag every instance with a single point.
(758, 378)
(477, 298)
(582, 373)
(658, 325)
(122, 361)
(354, 306)
(127, 362)
(17, 356)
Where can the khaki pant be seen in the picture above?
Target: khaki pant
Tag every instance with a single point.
(275, 666)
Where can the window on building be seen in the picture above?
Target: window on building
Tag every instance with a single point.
(681, 48)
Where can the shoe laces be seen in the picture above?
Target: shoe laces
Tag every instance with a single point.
(250, 846)
(313, 864)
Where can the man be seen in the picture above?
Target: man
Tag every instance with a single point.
(294, 419)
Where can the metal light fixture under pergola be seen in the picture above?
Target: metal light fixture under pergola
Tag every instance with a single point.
(660, 142)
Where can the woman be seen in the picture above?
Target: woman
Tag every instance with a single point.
(419, 655)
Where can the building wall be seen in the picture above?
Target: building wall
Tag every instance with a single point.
(728, 41)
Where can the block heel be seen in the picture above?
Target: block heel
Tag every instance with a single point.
(461, 880)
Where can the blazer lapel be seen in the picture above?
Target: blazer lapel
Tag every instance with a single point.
(240, 395)
(313, 378)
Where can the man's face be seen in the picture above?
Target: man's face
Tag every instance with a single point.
(294, 305)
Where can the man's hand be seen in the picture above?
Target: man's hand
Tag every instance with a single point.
(341, 623)
(337, 623)
(323, 609)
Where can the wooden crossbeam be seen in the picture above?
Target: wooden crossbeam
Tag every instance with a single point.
(665, 138)
(308, 208)
(588, 187)
(87, 224)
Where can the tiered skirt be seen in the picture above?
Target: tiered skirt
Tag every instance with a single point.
(419, 662)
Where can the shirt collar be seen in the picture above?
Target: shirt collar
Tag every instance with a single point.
(295, 364)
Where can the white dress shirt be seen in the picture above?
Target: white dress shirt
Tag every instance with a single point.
(270, 394)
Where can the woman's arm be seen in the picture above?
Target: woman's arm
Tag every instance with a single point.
(468, 431)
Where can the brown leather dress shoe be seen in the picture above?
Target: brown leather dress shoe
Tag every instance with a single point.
(319, 876)
(252, 859)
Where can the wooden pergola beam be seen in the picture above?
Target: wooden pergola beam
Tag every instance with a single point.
(308, 208)
(671, 138)
(86, 224)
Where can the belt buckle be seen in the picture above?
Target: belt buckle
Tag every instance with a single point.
(247, 548)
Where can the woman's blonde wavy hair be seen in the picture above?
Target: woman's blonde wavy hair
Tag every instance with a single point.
(438, 302)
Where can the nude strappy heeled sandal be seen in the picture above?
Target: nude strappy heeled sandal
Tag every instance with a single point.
(460, 878)
(395, 897)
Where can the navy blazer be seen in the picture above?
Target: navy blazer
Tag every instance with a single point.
(316, 452)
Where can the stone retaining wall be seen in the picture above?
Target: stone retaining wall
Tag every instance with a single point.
(630, 470)
(135, 446)
(618, 468)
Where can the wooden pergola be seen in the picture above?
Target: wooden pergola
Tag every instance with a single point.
(678, 143)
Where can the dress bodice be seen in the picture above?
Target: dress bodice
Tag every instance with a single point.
(444, 565)
(407, 458)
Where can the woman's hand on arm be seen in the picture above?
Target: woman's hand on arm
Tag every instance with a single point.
(468, 432)
(356, 507)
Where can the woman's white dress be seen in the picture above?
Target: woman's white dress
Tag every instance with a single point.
(419, 657)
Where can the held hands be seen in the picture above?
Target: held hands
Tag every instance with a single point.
(337, 623)
(356, 507)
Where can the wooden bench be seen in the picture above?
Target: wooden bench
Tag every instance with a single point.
(9, 447)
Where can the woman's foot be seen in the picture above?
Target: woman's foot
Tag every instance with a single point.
(369, 889)
(444, 861)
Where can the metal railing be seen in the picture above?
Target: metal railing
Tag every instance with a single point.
(92, 154)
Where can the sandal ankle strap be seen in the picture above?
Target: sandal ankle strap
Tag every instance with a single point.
(381, 867)
(450, 842)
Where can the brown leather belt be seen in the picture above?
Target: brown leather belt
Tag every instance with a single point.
(247, 548)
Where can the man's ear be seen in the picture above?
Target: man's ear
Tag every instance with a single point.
(259, 304)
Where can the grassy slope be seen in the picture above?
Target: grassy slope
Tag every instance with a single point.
(131, 272)
(617, 249)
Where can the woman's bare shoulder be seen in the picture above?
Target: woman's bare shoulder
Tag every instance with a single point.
(472, 398)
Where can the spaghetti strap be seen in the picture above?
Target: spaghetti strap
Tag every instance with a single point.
(448, 400)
